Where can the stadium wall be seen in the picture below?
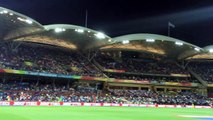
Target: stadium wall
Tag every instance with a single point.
(88, 78)
(11, 103)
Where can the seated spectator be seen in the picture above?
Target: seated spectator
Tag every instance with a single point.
(26, 91)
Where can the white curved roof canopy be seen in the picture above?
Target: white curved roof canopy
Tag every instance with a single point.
(17, 27)
(13, 24)
(69, 36)
(207, 54)
(158, 44)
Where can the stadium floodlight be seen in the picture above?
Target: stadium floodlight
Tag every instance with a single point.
(25, 20)
(79, 30)
(179, 43)
(5, 11)
(211, 50)
(29, 21)
(21, 19)
(58, 30)
(197, 49)
(100, 35)
(150, 40)
(110, 40)
(125, 42)
(11, 14)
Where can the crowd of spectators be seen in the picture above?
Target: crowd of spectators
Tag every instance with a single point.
(154, 79)
(14, 91)
(46, 59)
(38, 58)
(140, 65)
(60, 61)
(77, 93)
(172, 97)
(205, 70)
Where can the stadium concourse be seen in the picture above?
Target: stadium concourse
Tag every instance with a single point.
(73, 64)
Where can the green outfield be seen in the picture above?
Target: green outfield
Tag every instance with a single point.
(100, 113)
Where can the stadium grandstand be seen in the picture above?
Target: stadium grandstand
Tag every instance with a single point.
(69, 63)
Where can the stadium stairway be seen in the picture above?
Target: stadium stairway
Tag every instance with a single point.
(98, 67)
(94, 64)
(203, 82)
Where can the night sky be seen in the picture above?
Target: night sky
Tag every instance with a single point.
(193, 18)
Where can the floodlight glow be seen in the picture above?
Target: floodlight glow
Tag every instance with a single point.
(29, 21)
(179, 43)
(110, 40)
(11, 14)
(58, 30)
(197, 49)
(79, 30)
(125, 42)
(150, 40)
(21, 19)
(5, 11)
(25, 20)
(211, 50)
(100, 35)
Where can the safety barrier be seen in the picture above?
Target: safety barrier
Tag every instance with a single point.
(12, 103)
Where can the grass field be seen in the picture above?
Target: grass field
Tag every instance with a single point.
(100, 113)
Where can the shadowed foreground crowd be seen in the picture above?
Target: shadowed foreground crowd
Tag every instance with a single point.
(52, 93)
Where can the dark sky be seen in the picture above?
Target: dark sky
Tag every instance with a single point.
(193, 18)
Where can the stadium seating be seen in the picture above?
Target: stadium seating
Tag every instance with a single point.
(203, 69)
(155, 79)
(140, 66)
(39, 58)
(46, 59)
(25, 91)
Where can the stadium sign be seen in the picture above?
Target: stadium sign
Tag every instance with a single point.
(12, 103)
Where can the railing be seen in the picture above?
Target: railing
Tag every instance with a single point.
(76, 77)
(12, 103)
(204, 83)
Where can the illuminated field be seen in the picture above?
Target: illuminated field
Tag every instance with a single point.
(102, 113)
